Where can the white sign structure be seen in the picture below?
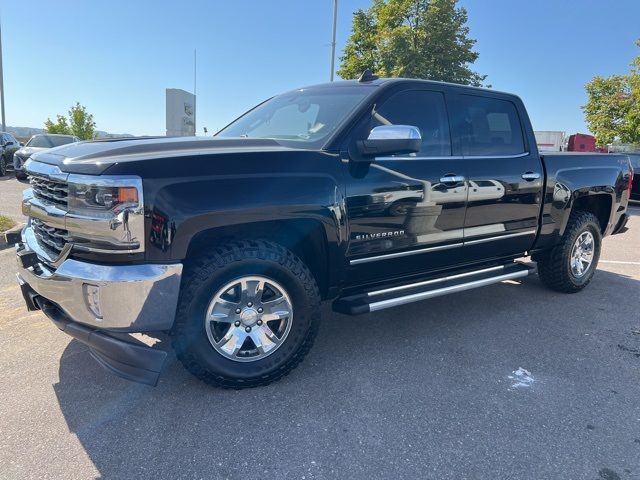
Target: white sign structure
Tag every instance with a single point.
(181, 113)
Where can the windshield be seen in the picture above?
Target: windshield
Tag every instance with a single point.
(48, 141)
(304, 117)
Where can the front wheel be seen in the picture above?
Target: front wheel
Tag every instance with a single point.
(571, 264)
(3, 166)
(247, 316)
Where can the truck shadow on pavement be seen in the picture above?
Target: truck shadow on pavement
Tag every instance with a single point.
(378, 394)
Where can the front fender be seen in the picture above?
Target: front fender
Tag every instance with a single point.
(182, 209)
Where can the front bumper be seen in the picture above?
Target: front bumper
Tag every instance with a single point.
(95, 303)
(131, 298)
(18, 163)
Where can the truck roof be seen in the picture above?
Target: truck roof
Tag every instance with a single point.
(396, 80)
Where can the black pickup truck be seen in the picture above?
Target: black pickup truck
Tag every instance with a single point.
(371, 193)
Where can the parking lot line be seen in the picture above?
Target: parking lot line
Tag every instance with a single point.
(619, 262)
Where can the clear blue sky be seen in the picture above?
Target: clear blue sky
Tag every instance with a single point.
(117, 57)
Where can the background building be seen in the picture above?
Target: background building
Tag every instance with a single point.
(181, 113)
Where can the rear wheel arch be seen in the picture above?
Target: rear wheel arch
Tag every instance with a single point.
(598, 204)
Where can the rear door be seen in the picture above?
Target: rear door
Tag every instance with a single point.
(406, 212)
(505, 175)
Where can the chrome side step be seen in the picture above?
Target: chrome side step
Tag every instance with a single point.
(402, 294)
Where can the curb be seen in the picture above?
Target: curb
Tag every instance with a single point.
(12, 232)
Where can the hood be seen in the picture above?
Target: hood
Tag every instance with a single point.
(26, 152)
(94, 157)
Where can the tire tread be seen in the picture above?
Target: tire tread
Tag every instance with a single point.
(552, 270)
(207, 265)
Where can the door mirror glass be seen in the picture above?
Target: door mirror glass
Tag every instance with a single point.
(391, 140)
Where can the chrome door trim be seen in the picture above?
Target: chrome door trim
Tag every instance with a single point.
(435, 280)
(500, 237)
(455, 157)
(491, 157)
(387, 256)
(393, 302)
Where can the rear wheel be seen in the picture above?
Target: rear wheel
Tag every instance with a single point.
(570, 266)
(247, 316)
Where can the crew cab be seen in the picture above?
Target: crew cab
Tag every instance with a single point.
(370, 194)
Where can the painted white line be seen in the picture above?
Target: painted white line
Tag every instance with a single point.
(619, 262)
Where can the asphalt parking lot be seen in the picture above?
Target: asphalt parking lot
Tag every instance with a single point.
(508, 381)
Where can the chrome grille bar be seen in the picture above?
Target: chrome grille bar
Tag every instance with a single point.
(50, 191)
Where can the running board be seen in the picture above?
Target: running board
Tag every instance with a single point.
(382, 298)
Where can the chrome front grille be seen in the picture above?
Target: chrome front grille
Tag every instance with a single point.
(50, 238)
(50, 191)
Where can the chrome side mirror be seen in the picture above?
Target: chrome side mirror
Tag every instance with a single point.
(390, 140)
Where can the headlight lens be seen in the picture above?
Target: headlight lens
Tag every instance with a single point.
(105, 212)
(101, 197)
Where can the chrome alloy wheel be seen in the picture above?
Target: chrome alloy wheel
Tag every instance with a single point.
(582, 254)
(249, 318)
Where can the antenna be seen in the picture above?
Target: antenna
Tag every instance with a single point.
(367, 76)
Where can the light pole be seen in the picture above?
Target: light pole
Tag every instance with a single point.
(1, 82)
(333, 38)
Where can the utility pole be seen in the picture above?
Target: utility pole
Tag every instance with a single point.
(195, 100)
(333, 40)
(2, 82)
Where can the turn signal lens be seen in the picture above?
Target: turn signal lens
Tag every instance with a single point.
(127, 195)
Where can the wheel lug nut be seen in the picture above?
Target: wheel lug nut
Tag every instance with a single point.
(237, 323)
(260, 310)
(259, 322)
(248, 329)
(249, 304)
(238, 310)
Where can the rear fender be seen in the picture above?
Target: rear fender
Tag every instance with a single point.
(592, 189)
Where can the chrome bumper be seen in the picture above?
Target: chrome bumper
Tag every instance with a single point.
(129, 298)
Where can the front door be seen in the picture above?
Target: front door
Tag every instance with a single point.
(406, 212)
(505, 177)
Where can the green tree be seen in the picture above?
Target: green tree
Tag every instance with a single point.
(60, 126)
(412, 38)
(80, 123)
(612, 111)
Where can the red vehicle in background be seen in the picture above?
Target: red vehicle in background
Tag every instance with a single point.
(581, 142)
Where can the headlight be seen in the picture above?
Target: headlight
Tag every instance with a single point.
(100, 197)
(105, 212)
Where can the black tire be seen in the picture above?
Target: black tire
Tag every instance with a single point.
(214, 270)
(21, 176)
(3, 166)
(554, 269)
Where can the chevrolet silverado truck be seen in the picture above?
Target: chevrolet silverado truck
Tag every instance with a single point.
(369, 193)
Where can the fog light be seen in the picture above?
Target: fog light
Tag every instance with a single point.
(92, 299)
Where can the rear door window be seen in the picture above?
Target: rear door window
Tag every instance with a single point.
(487, 126)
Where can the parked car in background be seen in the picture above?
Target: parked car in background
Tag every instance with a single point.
(8, 146)
(635, 189)
(38, 143)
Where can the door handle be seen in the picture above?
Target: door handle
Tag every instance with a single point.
(451, 178)
(530, 176)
